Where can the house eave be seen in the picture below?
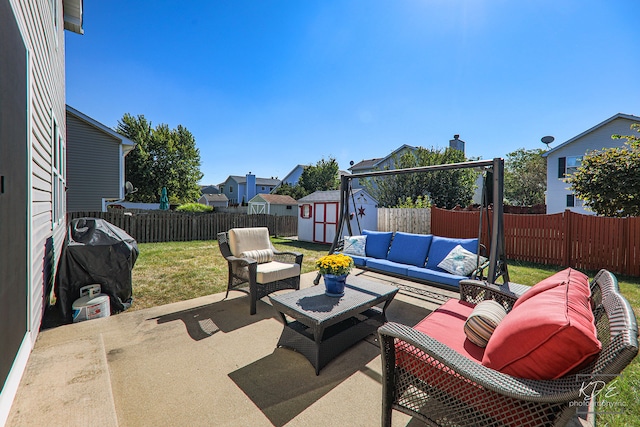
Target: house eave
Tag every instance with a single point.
(73, 15)
(127, 144)
(588, 131)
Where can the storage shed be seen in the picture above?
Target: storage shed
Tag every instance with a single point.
(272, 204)
(318, 214)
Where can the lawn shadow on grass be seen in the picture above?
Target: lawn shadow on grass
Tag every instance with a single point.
(226, 316)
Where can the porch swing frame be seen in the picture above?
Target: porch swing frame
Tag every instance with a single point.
(497, 257)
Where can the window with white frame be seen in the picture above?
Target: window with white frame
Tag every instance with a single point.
(573, 163)
(58, 166)
(568, 165)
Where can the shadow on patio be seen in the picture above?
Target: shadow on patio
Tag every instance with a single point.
(200, 362)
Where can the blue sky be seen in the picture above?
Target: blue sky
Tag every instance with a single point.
(266, 85)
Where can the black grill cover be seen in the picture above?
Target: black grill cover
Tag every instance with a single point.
(96, 251)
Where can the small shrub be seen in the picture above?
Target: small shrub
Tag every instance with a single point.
(194, 207)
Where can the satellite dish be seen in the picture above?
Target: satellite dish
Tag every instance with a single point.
(547, 140)
(351, 162)
(128, 188)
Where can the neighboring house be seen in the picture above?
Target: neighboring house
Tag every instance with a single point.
(318, 215)
(214, 200)
(95, 163)
(380, 163)
(566, 157)
(32, 172)
(239, 189)
(273, 204)
(209, 189)
(292, 177)
(388, 162)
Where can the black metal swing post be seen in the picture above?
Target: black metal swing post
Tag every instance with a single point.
(497, 257)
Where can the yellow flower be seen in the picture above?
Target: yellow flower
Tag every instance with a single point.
(335, 264)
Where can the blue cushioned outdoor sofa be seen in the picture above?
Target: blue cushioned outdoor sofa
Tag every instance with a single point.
(414, 256)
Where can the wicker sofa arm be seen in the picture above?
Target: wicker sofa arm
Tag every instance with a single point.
(475, 291)
(468, 372)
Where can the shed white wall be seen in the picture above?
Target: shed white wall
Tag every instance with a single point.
(46, 100)
(557, 189)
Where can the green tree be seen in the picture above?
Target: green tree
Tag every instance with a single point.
(321, 177)
(294, 191)
(609, 180)
(444, 188)
(525, 177)
(162, 157)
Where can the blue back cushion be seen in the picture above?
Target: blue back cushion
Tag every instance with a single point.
(441, 246)
(377, 244)
(409, 248)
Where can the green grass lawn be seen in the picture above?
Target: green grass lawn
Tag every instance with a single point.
(177, 271)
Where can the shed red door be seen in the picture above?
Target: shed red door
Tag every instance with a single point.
(325, 222)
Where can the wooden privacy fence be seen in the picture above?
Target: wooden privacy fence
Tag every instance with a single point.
(153, 226)
(408, 220)
(570, 239)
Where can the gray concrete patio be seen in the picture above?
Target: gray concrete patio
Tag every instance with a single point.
(201, 362)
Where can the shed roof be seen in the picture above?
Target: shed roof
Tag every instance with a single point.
(330, 196)
(215, 197)
(276, 199)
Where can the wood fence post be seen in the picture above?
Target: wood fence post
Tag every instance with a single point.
(567, 237)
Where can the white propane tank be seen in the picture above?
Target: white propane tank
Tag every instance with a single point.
(91, 304)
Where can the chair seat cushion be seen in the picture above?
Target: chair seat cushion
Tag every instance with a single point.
(446, 324)
(549, 333)
(388, 266)
(440, 277)
(276, 270)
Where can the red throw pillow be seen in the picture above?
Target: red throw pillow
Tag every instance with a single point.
(549, 333)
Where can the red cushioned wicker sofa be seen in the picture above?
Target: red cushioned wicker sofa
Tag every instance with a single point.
(560, 341)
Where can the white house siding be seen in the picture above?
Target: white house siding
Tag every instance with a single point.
(597, 139)
(93, 164)
(46, 105)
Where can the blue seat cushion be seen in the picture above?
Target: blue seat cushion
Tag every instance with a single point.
(359, 261)
(388, 266)
(435, 276)
(407, 248)
(377, 244)
(441, 246)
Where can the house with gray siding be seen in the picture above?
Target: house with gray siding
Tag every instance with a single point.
(566, 157)
(33, 173)
(95, 163)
